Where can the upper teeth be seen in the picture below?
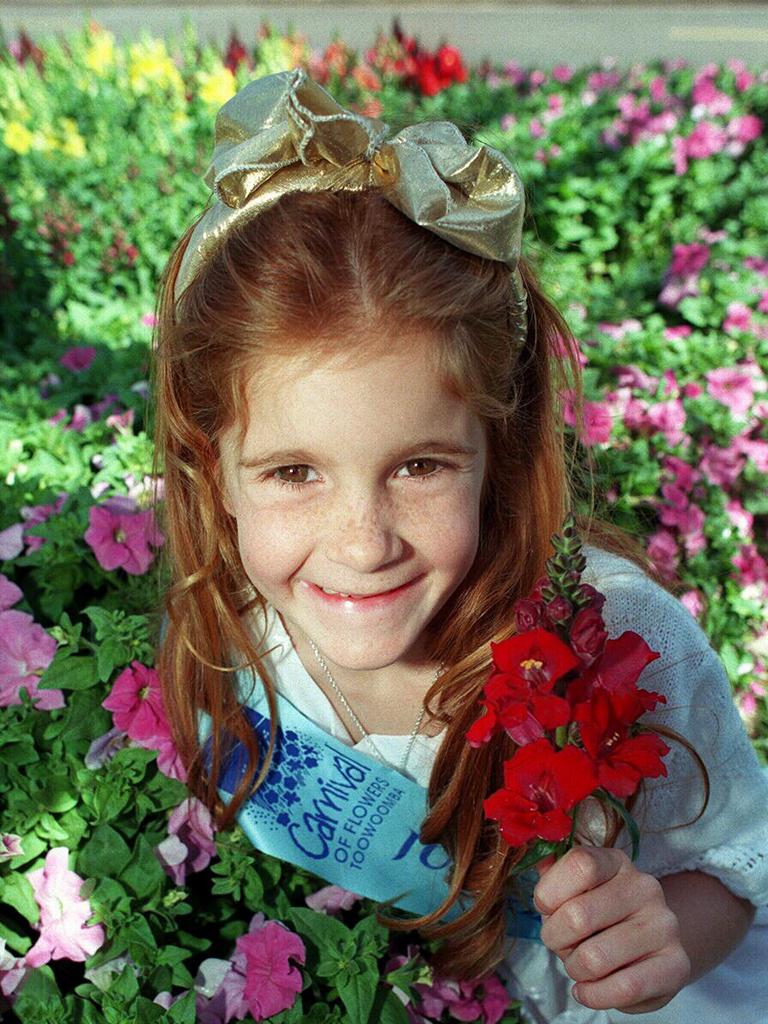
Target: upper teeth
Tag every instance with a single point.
(338, 593)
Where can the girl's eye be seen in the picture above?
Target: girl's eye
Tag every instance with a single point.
(295, 476)
(433, 467)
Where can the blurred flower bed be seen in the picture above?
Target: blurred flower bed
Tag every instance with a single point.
(648, 221)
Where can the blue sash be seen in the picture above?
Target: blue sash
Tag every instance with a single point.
(342, 815)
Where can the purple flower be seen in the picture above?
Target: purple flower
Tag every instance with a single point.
(11, 542)
(122, 539)
(13, 970)
(34, 515)
(104, 748)
(26, 651)
(63, 914)
(190, 845)
(664, 553)
(79, 358)
(9, 593)
(10, 846)
(331, 899)
(738, 318)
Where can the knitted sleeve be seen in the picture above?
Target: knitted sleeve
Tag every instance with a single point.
(728, 837)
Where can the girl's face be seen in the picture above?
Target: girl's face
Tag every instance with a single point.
(364, 481)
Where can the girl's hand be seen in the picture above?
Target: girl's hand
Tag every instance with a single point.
(610, 925)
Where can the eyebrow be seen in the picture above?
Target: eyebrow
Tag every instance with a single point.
(298, 456)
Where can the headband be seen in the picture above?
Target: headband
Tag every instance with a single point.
(284, 133)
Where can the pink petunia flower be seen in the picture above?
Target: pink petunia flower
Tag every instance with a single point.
(13, 970)
(79, 358)
(122, 539)
(664, 553)
(745, 129)
(34, 515)
(755, 450)
(26, 651)
(189, 846)
(732, 386)
(738, 318)
(9, 593)
(272, 982)
(722, 466)
(485, 1000)
(669, 419)
(11, 542)
(751, 565)
(331, 899)
(260, 979)
(596, 425)
(705, 140)
(63, 915)
(741, 518)
(136, 703)
(10, 846)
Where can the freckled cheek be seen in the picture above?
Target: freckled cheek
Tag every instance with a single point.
(272, 546)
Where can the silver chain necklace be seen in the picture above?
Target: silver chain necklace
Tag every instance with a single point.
(360, 727)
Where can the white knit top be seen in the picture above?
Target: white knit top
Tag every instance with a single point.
(730, 840)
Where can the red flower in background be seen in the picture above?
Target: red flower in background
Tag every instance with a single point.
(621, 760)
(540, 785)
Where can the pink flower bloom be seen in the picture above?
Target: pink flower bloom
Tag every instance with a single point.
(762, 305)
(722, 466)
(79, 358)
(738, 318)
(745, 129)
(189, 846)
(260, 978)
(13, 970)
(636, 415)
(123, 539)
(81, 418)
(136, 703)
(597, 424)
(149, 319)
(733, 387)
(168, 759)
(709, 99)
(688, 259)
(9, 593)
(272, 982)
(658, 89)
(669, 418)
(536, 128)
(634, 377)
(26, 651)
(740, 517)
(464, 1000)
(508, 121)
(11, 542)
(679, 155)
(755, 451)
(331, 899)
(33, 515)
(751, 565)
(663, 552)
(705, 140)
(63, 935)
(10, 846)
(562, 73)
(685, 475)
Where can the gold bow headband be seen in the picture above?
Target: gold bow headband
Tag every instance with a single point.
(285, 133)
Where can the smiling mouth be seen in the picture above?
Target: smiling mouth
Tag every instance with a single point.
(363, 597)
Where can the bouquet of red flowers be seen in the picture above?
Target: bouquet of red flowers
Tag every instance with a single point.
(568, 697)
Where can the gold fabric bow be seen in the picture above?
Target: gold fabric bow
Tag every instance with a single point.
(285, 133)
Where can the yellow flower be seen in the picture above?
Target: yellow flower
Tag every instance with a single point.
(74, 144)
(17, 137)
(100, 55)
(150, 64)
(216, 87)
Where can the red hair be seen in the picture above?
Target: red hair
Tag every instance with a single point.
(315, 268)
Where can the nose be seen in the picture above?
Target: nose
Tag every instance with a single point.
(363, 535)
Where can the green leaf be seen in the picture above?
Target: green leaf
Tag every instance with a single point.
(183, 1012)
(105, 854)
(148, 1012)
(143, 874)
(629, 821)
(387, 1008)
(70, 671)
(358, 991)
(18, 893)
(322, 930)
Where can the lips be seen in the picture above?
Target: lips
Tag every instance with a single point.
(380, 599)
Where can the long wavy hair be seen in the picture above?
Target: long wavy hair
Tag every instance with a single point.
(311, 273)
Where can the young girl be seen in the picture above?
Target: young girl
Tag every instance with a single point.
(357, 411)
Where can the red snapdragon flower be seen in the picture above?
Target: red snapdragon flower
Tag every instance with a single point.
(518, 695)
(617, 670)
(621, 760)
(540, 785)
